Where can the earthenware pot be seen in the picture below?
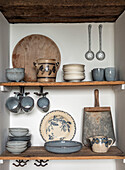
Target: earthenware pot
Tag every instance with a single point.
(46, 70)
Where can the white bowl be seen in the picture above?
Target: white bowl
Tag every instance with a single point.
(16, 151)
(74, 77)
(73, 67)
(74, 74)
(16, 144)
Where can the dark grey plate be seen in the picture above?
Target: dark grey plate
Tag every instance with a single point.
(18, 138)
(63, 146)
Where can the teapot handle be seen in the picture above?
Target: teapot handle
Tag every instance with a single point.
(111, 142)
(35, 64)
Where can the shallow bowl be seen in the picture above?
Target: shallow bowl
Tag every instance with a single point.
(63, 146)
(16, 151)
(19, 144)
(18, 131)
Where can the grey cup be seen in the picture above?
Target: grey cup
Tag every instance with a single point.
(98, 74)
(15, 74)
(110, 74)
(27, 103)
(43, 103)
(13, 104)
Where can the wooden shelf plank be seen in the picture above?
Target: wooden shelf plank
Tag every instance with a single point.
(59, 84)
(39, 153)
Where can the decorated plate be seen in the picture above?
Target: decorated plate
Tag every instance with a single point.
(57, 125)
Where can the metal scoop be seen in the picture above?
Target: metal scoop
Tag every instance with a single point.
(89, 54)
(100, 55)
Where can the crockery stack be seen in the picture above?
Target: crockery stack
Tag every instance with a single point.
(18, 140)
(74, 72)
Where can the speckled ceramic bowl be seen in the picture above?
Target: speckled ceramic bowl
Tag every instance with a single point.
(15, 74)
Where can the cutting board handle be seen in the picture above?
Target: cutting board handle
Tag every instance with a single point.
(96, 92)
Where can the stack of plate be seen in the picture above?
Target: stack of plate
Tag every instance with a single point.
(18, 140)
(74, 72)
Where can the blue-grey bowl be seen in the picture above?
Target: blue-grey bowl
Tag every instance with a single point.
(63, 146)
(15, 74)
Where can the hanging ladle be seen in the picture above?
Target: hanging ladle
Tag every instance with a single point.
(89, 54)
(100, 55)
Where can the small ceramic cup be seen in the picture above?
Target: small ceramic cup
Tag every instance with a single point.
(110, 74)
(100, 144)
(27, 103)
(98, 74)
(13, 104)
(43, 103)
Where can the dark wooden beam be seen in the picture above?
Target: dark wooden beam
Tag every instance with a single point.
(63, 2)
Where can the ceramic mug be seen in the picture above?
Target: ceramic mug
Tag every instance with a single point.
(98, 74)
(110, 74)
(100, 144)
(27, 103)
(13, 104)
(43, 103)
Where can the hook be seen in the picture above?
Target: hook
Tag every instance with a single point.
(41, 92)
(42, 163)
(21, 163)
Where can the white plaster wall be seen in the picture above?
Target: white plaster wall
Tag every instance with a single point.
(4, 63)
(72, 42)
(120, 94)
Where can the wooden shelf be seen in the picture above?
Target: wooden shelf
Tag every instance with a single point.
(61, 84)
(52, 11)
(39, 153)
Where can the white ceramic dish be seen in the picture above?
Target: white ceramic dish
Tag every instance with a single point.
(73, 67)
(73, 77)
(17, 144)
(57, 125)
(16, 151)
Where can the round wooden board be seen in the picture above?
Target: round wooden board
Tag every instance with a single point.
(29, 49)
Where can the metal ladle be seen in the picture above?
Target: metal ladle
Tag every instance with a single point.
(89, 54)
(100, 55)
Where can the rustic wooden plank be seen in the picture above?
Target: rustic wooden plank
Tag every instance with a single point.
(39, 153)
(63, 84)
(63, 2)
(61, 11)
(19, 19)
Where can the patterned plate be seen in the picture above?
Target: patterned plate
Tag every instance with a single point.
(57, 125)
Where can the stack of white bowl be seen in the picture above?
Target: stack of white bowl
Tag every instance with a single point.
(74, 72)
(17, 147)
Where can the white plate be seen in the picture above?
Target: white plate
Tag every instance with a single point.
(57, 125)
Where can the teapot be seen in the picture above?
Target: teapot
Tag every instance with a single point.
(100, 144)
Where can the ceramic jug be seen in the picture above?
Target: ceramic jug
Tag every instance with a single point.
(100, 144)
(46, 70)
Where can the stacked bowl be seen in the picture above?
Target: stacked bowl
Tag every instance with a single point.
(74, 72)
(18, 140)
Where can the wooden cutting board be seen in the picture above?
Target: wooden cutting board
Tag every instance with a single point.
(29, 49)
(97, 121)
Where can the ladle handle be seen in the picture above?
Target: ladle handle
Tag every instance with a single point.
(96, 93)
(100, 37)
(89, 34)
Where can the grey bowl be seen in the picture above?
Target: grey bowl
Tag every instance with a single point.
(15, 74)
(16, 151)
(18, 131)
(63, 146)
